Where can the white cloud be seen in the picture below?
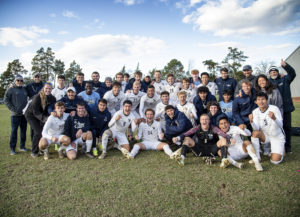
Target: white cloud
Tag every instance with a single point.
(46, 41)
(52, 15)
(20, 37)
(63, 32)
(193, 2)
(129, 2)
(233, 17)
(225, 44)
(69, 14)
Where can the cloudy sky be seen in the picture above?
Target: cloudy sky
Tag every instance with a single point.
(105, 35)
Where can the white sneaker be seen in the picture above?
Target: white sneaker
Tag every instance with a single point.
(258, 167)
(125, 152)
(224, 163)
(103, 155)
(129, 156)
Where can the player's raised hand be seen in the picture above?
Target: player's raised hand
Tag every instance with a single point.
(283, 63)
(272, 116)
(118, 117)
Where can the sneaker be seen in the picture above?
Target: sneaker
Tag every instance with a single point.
(61, 153)
(56, 147)
(34, 155)
(100, 147)
(103, 155)
(258, 167)
(95, 152)
(173, 156)
(46, 155)
(12, 152)
(177, 153)
(224, 163)
(125, 152)
(130, 157)
(23, 149)
(180, 161)
(89, 155)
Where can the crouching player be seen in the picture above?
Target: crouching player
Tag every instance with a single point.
(117, 129)
(77, 130)
(53, 129)
(267, 125)
(150, 133)
(237, 148)
(204, 141)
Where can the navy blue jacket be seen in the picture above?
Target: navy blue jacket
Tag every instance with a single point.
(96, 86)
(102, 90)
(201, 105)
(176, 126)
(99, 121)
(214, 119)
(33, 88)
(283, 85)
(78, 87)
(144, 85)
(70, 104)
(226, 84)
(75, 123)
(242, 107)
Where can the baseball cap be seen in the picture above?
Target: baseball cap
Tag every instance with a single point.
(247, 67)
(273, 68)
(71, 88)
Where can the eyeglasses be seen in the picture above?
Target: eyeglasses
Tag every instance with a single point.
(19, 80)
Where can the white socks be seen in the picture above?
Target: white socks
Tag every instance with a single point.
(252, 154)
(88, 145)
(105, 138)
(135, 150)
(256, 144)
(167, 150)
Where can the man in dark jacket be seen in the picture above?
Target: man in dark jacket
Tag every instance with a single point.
(15, 99)
(107, 86)
(137, 77)
(201, 100)
(34, 87)
(243, 106)
(99, 122)
(79, 83)
(176, 123)
(95, 81)
(225, 83)
(283, 85)
(247, 71)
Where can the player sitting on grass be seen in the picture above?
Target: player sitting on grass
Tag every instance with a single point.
(237, 148)
(150, 133)
(204, 141)
(77, 131)
(53, 130)
(117, 129)
(267, 125)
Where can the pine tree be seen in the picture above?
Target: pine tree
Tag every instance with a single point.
(72, 71)
(58, 69)
(43, 63)
(175, 67)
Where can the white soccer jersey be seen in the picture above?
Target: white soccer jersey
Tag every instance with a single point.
(173, 90)
(160, 86)
(124, 83)
(212, 86)
(160, 113)
(59, 93)
(113, 102)
(190, 94)
(122, 124)
(147, 102)
(262, 121)
(188, 109)
(134, 98)
(148, 132)
(54, 126)
(235, 132)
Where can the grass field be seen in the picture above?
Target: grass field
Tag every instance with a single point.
(150, 185)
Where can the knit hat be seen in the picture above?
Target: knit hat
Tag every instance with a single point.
(247, 67)
(18, 77)
(273, 68)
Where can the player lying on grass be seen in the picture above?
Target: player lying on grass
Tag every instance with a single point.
(151, 134)
(204, 141)
(53, 130)
(267, 125)
(118, 125)
(237, 148)
(77, 131)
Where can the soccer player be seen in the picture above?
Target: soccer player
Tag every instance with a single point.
(137, 77)
(90, 97)
(186, 107)
(78, 83)
(214, 112)
(226, 104)
(149, 100)
(267, 125)
(213, 88)
(120, 78)
(117, 129)
(60, 90)
(151, 134)
(53, 130)
(225, 83)
(70, 101)
(204, 142)
(77, 130)
(237, 148)
(160, 108)
(190, 92)
(195, 79)
(158, 83)
(135, 97)
(95, 81)
(114, 98)
(172, 87)
(105, 87)
(201, 100)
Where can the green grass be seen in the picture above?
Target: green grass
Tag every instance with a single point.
(150, 185)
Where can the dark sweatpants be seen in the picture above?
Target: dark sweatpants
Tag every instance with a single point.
(16, 122)
(37, 127)
(287, 126)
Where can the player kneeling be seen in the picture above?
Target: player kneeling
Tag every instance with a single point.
(267, 125)
(238, 149)
(150, 133)
(77, 130)
(53, 129)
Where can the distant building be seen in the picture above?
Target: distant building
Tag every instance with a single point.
(294, 60)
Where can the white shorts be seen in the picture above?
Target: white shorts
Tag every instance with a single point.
(237, 152)
(74, 144)
(50, 142)
(151, 145)
(121, 137)
(277, 143)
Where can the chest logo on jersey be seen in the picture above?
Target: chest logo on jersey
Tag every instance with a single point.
(78, 125)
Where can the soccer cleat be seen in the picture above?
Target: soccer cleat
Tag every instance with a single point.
(239, 165)
(12, 152)
(173, 156)
(176, 153)
(46, 155)
(95, 152)
(23, 149)
(100, 147)
(89, 155)
(125, 152)
(103, 155)
(56, 147)
(224, 163)
(180, 161)
(258, 167)
(130, 157)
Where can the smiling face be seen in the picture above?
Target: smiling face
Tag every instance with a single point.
(246, 88)
(101, 106)
(170, 113)
(149, 116)
(170, 80)
(136, 88)
(261, 102)
(204, 121)
(88, 88)
(126, 108)
(60, 110)
(182, 99)
(165, 98)
(262, 83)
(116, 90)
(71, 94)
(224, 74)
(150, 92)
(213, 110)
(203, 95)
(157, 76)
(185, 84)
(79, 79)
(247, 73)
(95, 77)
(224, 125)
(274, 74)
(204, 79)
(47, 89)
(80, 110)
